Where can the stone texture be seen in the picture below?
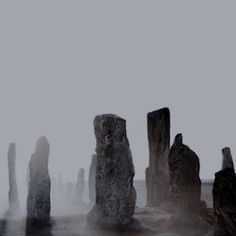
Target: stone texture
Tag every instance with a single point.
(115, 194)
(224, 202)
(79, 188)
(185, 184)
(92, 180)
(13, 196)
(157, 174)
(38, 200)
(227, 161)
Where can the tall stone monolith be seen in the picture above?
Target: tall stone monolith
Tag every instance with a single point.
(38, 200)
(157, 173)
(92, 180)
(227, 160)
(224, 202)
(13, 196)
(115, 194)
(185, 184)
(79, 188)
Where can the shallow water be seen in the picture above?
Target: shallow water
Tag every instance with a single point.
(154, 222)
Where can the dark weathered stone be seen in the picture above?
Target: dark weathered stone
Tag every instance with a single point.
(184, 178)
(115, 194)
(227, 161)
(92, 180)
(79, 188)
(13, 190)
(38, 200)
(157, 174)
(224, 202)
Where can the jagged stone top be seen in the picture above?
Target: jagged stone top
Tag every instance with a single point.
(12, 149)
(227, 161)
(42, 145)
(165, 111)
(180, 149)
(41, 152)
(80, 174)
(178, 139)
(109, 129)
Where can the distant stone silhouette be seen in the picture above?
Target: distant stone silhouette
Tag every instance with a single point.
(38, 200)
(227, 161)
(13, 190)
(115, 194)
(79, 188)
(92, 180)
(60, 185)
(157, 174)
(224, 202)
(184, 178)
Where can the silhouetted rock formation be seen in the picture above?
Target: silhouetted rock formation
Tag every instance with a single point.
(157, 174)
(227, 161)
(224, 202)
(184, 178)
(115, 194)
(38, 200)
(92, 180)
(79, 188)
(13, 190)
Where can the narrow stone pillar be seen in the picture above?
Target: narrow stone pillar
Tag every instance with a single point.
(115, 194)
(38, 200)
(13, 190)
(79, 188)
(227, 161)
(157, 174)
(92, 180)
(224, 202)
(184, 178)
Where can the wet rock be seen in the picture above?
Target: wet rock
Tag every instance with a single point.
(185, 184)
(92, 180)
(79, 188)
(115, 194)
(157, 174)
(224, 202)
(13, 190)
(227, 161)
(38, 200)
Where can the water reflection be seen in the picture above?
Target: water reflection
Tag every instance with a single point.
(38, 231)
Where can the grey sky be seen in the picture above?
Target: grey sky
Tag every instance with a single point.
(63, 62)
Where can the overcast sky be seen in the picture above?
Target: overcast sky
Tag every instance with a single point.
(63, 62)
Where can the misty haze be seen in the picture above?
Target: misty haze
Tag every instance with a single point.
(117, 118)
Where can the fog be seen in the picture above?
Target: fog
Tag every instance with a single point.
(62, 63)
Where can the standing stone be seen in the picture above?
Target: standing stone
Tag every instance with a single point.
(224, 202)
(115, 194)
(157, 174)
(227, 161)
(92, 180)
(184, 178)
(13, 190)
(38, 200)
(79, 188)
